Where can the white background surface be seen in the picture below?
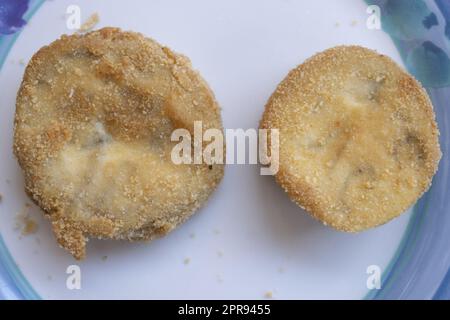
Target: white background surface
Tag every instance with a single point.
(243, 49)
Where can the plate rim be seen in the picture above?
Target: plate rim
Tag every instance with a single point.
(14, 285)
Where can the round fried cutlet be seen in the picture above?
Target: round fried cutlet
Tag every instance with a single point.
(93, 125)
(358, 140)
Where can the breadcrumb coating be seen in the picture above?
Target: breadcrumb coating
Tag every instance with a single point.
(358, 138)
(94, 116)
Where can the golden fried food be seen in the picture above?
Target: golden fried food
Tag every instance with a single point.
(358, 140)
(93, 125)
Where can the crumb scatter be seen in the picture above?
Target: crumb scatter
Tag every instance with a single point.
(90, 23)
(25, 223)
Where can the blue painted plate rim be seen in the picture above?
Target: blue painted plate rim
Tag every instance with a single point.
(14, 285)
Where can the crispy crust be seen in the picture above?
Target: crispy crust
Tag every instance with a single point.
(358, 139)
(94, 116)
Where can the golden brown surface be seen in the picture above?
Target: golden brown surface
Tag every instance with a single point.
(93, 122)
(358, 139)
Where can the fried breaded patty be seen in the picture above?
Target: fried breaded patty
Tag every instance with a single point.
(358, 139)
(94, 118)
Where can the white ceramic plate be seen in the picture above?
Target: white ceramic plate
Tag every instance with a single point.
(249, 239)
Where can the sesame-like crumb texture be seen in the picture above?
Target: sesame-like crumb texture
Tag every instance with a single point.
(358, 139)
(94, 116)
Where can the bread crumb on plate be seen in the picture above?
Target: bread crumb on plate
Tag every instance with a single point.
(26, 224)
(90, 23)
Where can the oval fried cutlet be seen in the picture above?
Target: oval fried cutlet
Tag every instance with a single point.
(358, 139)
(93, 125)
